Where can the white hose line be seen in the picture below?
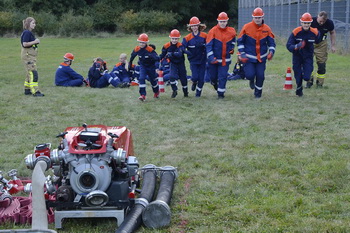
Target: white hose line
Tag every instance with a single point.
(39, 216)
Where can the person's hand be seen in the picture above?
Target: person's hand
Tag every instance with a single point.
(300, 45)
(243, 57)
(333, 49)
(214, 61)
(232, 51)
(270, 56)
(36, 41)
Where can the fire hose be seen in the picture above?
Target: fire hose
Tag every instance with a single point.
(158, 214)
(39, 218)
(133, 220)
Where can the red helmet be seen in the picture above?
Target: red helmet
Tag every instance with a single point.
(175, 34)
(143, 38)
(194, 21)
(69, 57)
(258, 12)
(306, 18)
(222, 17)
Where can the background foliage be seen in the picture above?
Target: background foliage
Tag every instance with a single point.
(128, 16)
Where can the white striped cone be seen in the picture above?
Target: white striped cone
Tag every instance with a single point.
(161, 81)
(288, 84)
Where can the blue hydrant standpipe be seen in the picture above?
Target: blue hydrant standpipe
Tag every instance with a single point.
(158, 214)
(134, 219)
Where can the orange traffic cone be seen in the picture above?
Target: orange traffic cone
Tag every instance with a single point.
(288, 84)
(161, 81)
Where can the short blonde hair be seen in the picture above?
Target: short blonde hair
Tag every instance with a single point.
(27, 21)
(123, 55)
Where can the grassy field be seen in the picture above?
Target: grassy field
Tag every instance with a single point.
(277, 164)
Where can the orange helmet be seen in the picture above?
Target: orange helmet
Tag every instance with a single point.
(306, 18)
(143, 38)
(68, 57)
(222, 17)
(258, 12)
(194, 21)
(175, 34)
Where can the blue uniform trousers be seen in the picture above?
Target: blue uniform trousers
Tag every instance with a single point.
(256, 72)
(218, 74)
(150, 74)
(302, 68)
(107, 79)
(198, 72)
(178, 71)
(73, 83)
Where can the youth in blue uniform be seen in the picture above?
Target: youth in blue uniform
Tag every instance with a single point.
(174, 50)
(147, 60)
(301, 45)
(220, 45)
(98, 76)
(65, 75)
(121, 70)
(195, 45)
(256, 43)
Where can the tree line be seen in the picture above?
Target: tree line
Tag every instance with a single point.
(70, 17)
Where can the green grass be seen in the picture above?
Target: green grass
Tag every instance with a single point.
(278, 164)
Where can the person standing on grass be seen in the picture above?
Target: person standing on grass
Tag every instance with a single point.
(29, 54)
(256, 43)
(220, 45)
(195, 45)
(174, 51)
(147, 60)
(65, 75)
(301, 44)
(324, 25)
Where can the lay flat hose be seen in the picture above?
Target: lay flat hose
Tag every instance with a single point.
(158, 214)
(39, 218)
(133, 220)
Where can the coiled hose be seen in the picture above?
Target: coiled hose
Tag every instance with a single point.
(133, 220)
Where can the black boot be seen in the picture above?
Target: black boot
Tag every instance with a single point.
(27, 92)
(38, 94)
(174, 94)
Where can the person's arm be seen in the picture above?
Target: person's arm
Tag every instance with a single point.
(31, 43)
(333, 42)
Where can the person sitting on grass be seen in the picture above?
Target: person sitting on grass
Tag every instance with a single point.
(65, 75)
(122, 71)
(98, 76)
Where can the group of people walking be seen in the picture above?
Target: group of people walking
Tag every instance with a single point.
(208, 54)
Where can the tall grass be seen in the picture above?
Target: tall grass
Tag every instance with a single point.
(277, 164)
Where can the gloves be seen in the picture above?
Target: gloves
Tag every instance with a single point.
(270, 56)
(214, 61)
(243, 58)
(300, 45)
(232, 51)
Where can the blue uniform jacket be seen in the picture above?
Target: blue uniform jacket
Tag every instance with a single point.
(64, 74)
(310, 37)
(256, 42)
(195, 45)
(175, 52)
(120, 71)
(220, 43)
(147, 56)
(95, 73)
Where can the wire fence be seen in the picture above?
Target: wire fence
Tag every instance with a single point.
(283, 16)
